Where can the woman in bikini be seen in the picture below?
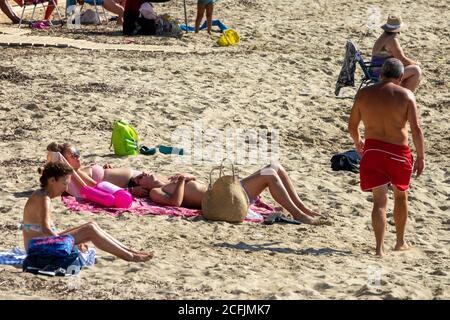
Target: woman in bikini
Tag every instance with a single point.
(91, 174)
(387, 46)
(37, 220)
(184, 190)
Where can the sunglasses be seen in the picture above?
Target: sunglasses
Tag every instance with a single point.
(75, 154)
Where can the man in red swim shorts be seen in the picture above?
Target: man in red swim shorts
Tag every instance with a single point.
(384, 109)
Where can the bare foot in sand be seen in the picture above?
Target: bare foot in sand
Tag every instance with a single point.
(402, 246)
(141, 257)
(317, 214)
(380, 252)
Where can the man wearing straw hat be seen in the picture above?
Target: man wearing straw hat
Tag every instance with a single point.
(388, 46)
(385, 108)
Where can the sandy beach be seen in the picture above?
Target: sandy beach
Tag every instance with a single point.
(280, 78)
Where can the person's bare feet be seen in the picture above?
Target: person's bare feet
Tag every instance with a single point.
(142, 257)
(317, 214)
(316, 221)
(380, 252)
(402, 246)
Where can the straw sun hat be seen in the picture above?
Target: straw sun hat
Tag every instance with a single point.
(393, 24)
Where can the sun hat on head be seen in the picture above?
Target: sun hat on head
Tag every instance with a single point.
(393, 24)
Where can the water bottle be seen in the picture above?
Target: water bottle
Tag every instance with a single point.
(171, 150)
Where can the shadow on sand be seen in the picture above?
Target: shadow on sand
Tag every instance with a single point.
(272, 248)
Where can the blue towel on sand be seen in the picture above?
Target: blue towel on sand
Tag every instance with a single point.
(13, 257)
(16, 256)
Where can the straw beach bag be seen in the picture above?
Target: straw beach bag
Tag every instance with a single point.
(225, 200)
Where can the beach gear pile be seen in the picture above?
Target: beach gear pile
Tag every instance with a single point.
(54, 256)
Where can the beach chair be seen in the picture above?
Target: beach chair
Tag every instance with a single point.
(34, 3)
(368, 77)
(346, 77)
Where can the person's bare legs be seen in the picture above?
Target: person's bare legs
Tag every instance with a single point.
(288, 185)
(49, 10)
(115, 7)
(209, 14)
(282, 173)
(92, 232)
(400, 217)
(411, 77)
(380, 199)
(256, 183)
(200, 12)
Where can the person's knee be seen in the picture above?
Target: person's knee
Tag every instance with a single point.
(415, 71)
(269, 172)
(92, 226)
(400, 196)
(276, 166)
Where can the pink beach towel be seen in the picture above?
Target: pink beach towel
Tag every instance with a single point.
(143, 207)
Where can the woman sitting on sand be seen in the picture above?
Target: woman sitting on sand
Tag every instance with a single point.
(387, 46)
(92, 174)
(37, 221)
(184, 190)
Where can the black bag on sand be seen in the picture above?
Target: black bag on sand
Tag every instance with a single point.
(348, 161)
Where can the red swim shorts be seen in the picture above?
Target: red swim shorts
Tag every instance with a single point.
(384, 163)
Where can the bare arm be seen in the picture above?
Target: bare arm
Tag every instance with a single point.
(397, 52)
(175, 199)
(417, 136)
(353, 125)
(45, 217)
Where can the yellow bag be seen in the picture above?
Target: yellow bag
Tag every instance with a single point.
(225, 200)
(229, 37)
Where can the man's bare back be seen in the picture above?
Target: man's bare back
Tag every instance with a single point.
(384, 112)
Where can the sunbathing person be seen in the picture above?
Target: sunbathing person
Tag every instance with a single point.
(387, 46)
(184, 190)
(91, 174)
(37, 220)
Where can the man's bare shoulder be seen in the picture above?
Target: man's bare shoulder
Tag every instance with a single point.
(404, 92)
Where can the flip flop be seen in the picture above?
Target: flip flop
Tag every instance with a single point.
(278, 217)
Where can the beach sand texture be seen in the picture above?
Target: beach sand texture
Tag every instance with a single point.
(280, 77)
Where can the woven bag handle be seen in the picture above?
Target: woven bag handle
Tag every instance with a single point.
(221, 167)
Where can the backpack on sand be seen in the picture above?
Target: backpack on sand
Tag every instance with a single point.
(124, 139)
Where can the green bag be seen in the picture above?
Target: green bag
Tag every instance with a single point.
(124, 139)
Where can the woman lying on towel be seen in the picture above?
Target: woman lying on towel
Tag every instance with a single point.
(183, 190)
(37, 221)
(90, 174)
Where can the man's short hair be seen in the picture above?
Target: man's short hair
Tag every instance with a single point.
(392, 68)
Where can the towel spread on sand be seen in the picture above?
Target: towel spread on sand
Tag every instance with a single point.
(13, 257)
(143, 206)
(16, 256)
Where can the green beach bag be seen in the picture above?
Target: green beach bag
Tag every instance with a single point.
(124, 139)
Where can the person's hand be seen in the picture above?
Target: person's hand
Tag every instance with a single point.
(359, 146)
(83, 247)
(187, 177)
(139, 191)
(107, 166)
(419, 165)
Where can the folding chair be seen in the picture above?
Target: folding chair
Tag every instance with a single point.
(35, 3)
(367, 68)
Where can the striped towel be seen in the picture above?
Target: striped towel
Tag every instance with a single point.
(13, 257)
(16, 256)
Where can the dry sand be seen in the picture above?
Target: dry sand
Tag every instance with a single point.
(281, 76)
